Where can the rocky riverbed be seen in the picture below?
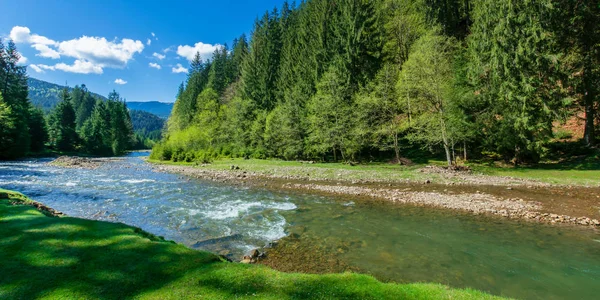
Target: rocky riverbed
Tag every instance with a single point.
(456, 190)
(76, 162)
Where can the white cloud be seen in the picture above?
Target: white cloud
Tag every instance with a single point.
(152, 33)
(80, 66)
(149, 42)
(36, 68)
(91, 54)
(154, 65)
(22, 35)
(159, 56)
(100, 51)
(45, 67)
(205, 50)
(22, 60)
(120, 81)
(179, 69)
(46, 51)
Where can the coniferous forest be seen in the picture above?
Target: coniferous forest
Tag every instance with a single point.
(359, 80)
(79, 123)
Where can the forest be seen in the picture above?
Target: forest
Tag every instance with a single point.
(80, 122)
(356, 80)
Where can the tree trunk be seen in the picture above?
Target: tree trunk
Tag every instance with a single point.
(396, 147)
(334, 155)
(448, 155)
(589, 85)
(589, 96)
(465, 151)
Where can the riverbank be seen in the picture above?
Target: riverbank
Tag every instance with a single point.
(433, 186)
(62, 257)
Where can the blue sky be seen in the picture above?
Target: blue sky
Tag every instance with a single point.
(104, 43)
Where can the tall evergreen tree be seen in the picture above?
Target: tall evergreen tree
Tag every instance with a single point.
(63, 136)
(514, 65)
(13, 87)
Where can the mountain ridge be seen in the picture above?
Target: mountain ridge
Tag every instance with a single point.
(46, 95)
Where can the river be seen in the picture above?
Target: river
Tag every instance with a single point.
(393, 243)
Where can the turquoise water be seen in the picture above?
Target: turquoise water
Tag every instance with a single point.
(393, 243)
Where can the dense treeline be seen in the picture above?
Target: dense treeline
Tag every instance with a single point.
(80, 121)
(356, 79)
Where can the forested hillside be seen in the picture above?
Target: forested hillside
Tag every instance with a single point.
(46, 95)
(352, 80)
(147, 128)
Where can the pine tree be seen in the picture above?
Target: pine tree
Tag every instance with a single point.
(514, 63)
(63, 136)
(38, 130)
(13, 87)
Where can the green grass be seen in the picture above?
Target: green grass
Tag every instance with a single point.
(68, 258)
(587, 173)
(318, 171)
(548, 175)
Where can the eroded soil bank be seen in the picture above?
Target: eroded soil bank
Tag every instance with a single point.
(463, 191)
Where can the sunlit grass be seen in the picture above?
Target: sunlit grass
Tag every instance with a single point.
(93, 259)
(550, 173)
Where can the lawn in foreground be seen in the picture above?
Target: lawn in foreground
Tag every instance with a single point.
(68, 258)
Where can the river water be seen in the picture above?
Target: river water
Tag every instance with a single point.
(393, 243)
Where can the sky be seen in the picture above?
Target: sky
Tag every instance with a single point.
(140, 48)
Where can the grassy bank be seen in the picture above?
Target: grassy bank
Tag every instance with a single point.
(67, 258)
(554, 173)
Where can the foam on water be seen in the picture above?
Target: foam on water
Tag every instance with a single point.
(136, 181)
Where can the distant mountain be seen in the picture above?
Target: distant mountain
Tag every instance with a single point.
(46, 95)
(160, 109)
(145, 121)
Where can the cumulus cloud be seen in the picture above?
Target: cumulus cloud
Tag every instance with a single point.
(91, 54)
(46, 51)
(22, 35)
(154, 65)
(120, 81)
(22, 60)
(179, 69)
(205, 50)
(80, 67)
(36, 68)
(159, 56)
(100, 51)
(149, 42)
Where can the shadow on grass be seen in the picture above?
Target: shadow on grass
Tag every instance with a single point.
(68, 257)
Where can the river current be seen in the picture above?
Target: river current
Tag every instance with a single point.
(393, 243)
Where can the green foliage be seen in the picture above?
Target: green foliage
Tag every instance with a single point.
(38, 130)
(16, 108)
(426, 79)
(147, 129)
(358, 79)
(63, 136)
(46, 95)
(108, 131)
(514, 63)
